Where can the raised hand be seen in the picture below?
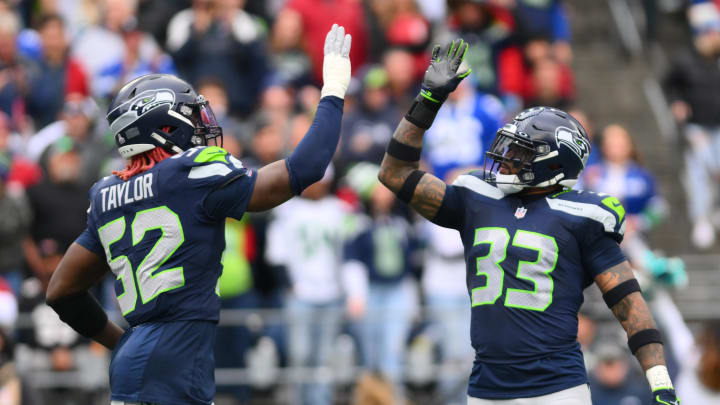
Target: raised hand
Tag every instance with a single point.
(442, 76)
(336, 63)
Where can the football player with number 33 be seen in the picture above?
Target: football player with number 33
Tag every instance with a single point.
(532, 245)
(159, 226)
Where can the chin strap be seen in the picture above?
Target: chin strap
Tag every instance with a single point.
(166, 144)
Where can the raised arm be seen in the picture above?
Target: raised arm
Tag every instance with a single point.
(622, 294)
(281, 180)
(399, 170)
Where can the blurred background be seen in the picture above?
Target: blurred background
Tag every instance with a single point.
(344, 296)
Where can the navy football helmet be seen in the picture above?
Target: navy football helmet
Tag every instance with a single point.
(541, 147)
(161, 110)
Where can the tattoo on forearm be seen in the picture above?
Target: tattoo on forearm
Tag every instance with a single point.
(428, 196)
(430, 190)
(409, 134)
(614, 276)
(634, 315)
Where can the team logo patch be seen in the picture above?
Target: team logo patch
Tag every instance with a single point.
(520, 212)
(149, 100)
(574, 141)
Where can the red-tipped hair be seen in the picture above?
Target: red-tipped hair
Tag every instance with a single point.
(142, 162)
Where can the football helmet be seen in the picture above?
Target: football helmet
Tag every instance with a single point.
(161, 110)
(540, 147)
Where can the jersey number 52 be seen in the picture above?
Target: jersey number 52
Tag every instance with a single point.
(149, 283)
(536, 272)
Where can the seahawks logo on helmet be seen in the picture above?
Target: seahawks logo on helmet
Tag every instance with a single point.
(148, 100)
(574, 141)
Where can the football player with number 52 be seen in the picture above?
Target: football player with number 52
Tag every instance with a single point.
(159, 226)
(532, 245)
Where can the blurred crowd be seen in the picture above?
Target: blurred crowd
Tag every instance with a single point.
(372, 302)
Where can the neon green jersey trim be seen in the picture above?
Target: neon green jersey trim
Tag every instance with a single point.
(212, 154)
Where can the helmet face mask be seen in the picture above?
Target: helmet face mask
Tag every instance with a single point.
(541, 147)
(161, 110)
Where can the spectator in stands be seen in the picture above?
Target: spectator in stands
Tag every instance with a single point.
(15, 219)
(546, 18)
(216, 94)
(217, 38)
(78, 134)
(462, 132)
(399, 24)
(13, 72)
(8, 311)
(548, 81)
(383, 251)
(306, 237)
(399, 63)
(367, 130)
(10, 385)
(448, 307)
(698, 380)
(55, 75)
(693, 85)
(142, 56)
(622, 175)
(309, 21)
(59, 205)
(50, 345)
(497, 65)
(612, 381)
(102, 47)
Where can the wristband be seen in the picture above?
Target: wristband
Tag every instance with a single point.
(422, 112)
(644, 337)
(401, 151)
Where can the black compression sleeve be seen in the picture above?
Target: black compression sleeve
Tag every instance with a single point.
(82, 312)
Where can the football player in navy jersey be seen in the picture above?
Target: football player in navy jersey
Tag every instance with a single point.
(159, 227)
(532, 245)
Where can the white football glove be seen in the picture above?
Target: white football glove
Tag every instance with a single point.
(336, 64)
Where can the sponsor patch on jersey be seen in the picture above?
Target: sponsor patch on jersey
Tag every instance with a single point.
(574, 141)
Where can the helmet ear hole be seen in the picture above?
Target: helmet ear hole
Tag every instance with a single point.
(555, 166)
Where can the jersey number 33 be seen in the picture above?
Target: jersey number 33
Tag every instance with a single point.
(536, 272)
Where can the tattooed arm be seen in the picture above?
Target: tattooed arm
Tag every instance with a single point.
(633, 313)
(441, 78)
(430, 190)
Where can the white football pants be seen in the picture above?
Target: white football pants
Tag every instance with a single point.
(579, 395)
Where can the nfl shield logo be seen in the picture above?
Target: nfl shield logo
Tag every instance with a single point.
(520, 212)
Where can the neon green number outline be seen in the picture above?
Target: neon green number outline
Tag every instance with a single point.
(530, 279)
(115, 259)
(141, 265)
(497, 264)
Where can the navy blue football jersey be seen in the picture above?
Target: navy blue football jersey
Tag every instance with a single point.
(528, 261)
(161, 237)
